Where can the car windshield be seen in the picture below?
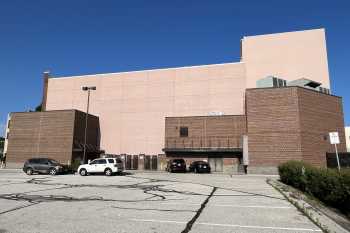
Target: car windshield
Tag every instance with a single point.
(201, 163)
(178, 161)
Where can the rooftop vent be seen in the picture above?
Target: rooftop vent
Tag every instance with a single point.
(304, 82)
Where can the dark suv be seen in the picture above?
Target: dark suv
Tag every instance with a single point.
(176, 165)
(44, 166)
(199, 166)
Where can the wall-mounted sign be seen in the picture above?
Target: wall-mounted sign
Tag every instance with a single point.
(334, 137)
(215, 113)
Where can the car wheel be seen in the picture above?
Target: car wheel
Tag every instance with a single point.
(29, 171)
(108, 172)
(83, 172)
(52, 171)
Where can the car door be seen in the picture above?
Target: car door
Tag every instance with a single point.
(42, 165)
(35, 164)
(92, 166)
(101, 165)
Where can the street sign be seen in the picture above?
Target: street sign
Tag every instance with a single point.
(334, 138)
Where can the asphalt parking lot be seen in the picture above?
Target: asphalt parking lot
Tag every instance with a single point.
(145, 202)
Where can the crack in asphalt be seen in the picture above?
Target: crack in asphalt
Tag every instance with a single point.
(198, 213)
(153, 188)
(245, 193)
(148, 187)
(17, 208)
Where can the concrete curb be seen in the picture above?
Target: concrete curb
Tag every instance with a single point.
(316, 212)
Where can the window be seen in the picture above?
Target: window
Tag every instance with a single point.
(34, 161)
(52, 161)
(43, 161)
(101, 161)
(110, 160)
(94, 162)
(183, 131)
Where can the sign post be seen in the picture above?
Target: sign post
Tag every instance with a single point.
(334, 139)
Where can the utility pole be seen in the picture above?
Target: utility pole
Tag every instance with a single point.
(88, 89)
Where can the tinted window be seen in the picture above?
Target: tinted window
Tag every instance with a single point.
(101, 161)
(178, 161)
(94, 162)
(33, 160)
(111, 160)
(201, 162)
(43, 161)
(52, 161)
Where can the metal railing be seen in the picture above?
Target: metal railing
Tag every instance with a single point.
(203, 142)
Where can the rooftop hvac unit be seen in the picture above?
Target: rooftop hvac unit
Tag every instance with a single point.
(271, 81)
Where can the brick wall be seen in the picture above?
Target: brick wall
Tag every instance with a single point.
(319, 115)
(291, 123)
(205, 131)
(46, 134)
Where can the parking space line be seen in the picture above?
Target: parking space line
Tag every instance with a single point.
(237, 206)
(228, 225)
(252, 206)
(261, 227)
(155, 220)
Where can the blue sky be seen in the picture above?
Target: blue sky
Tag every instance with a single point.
(86, 37)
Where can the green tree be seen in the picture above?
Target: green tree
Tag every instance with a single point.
(38, 108)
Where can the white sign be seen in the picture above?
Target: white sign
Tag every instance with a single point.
(215, 113)
(334, 137)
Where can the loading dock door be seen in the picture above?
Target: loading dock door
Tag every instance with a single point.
(135, 162)
(128, 162)
(147, 164)
(154, 162)
(216, 164)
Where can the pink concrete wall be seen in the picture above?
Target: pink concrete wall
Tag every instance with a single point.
(132, 106)
(290, 55)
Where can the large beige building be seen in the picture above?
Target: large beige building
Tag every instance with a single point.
(272, 106)
(132, 106)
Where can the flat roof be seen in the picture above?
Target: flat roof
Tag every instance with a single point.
(147, 70)
(304, 88)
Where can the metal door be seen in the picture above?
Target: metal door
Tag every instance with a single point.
(135, 162)
(128, 162)
(216, 164)
(147, 164)
(154, 162)
(212, 164)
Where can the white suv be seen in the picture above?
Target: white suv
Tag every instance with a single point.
(108, 166)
